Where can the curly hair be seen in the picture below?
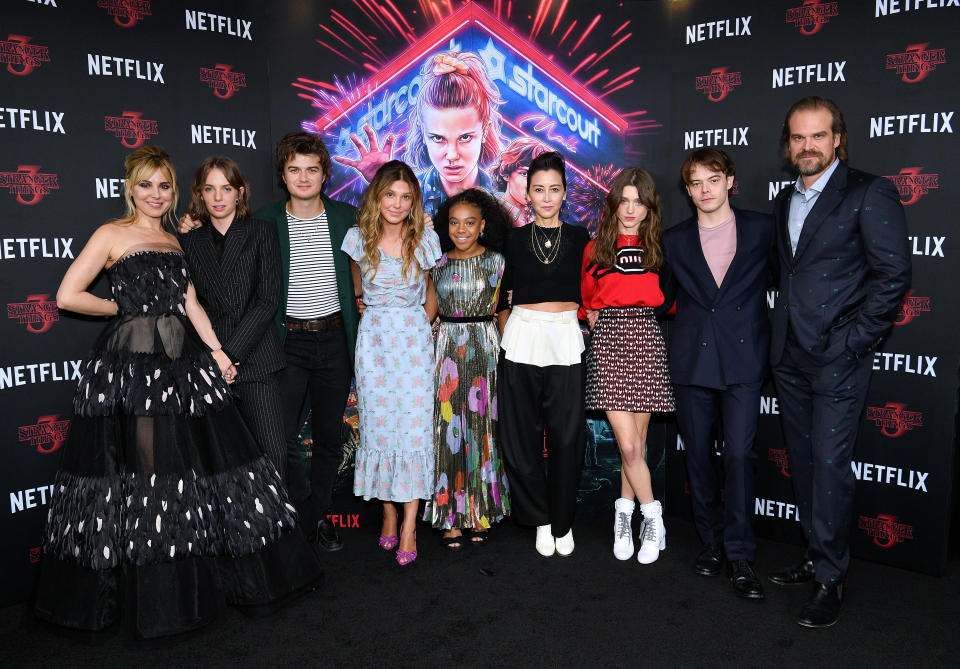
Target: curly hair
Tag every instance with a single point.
(605, 246)
(304, 144)
(466, 85)
(140, 166)
(496, 219)
(198, 208)
(516, 156)
(371, 225)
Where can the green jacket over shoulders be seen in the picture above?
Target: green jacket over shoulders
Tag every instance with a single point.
(340, 217)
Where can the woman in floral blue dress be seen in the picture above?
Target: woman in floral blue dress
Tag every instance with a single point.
(392, 252)
(470, 488)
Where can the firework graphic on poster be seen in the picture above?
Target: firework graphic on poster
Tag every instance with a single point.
(468, 94)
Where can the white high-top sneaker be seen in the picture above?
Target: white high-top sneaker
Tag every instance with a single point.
(653, 536)
(623, 528)
(546, 544)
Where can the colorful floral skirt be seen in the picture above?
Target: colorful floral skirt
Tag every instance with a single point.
(470, 487)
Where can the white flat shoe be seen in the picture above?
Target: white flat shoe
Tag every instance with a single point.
(546, 545)
(565, 544)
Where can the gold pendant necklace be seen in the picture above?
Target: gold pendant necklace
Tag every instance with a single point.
(549, 250)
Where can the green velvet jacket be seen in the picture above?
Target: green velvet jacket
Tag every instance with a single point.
(340, 216)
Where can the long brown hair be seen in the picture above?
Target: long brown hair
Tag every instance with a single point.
(371, 227)
(198, 208)
(605, 246)
(140, 166)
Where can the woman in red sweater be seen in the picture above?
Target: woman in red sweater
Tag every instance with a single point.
(627, 374)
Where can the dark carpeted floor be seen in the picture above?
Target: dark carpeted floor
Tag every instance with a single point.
(501, 604)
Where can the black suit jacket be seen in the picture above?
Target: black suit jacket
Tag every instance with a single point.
(721, 335)
(240, 292)
(840, 290)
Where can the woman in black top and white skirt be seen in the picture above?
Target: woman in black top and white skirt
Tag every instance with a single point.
(541, 362)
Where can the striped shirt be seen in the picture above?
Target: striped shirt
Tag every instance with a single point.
(312, 292)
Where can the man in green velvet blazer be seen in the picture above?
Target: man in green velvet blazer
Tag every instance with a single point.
(318, 321)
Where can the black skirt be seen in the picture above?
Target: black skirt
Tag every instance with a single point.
(164, 506)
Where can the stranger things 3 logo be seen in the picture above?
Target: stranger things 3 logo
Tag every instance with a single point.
(885, 530)
(780, 458)
(126, 13)
(916, 62)
(223, 80)
(893, 419)
(812, 15)
(22, 57)
(38, 313)
(912, 184)
(28, 183)
(718, 84)
(46, 435)
(132, 130)
(911, 306)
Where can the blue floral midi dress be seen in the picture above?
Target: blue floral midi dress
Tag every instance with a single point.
(394, 371)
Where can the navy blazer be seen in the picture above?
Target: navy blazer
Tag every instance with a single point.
(240, 292)
(840, 291)
(721, 335)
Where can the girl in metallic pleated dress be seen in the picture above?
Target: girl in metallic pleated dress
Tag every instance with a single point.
(470, 487)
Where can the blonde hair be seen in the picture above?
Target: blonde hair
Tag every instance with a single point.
(371, 226)
(140, 166)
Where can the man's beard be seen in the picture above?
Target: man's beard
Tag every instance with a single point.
(818, 165)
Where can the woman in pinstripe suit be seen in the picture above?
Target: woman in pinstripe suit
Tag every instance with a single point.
(235, 266)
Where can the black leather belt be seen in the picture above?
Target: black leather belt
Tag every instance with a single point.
(313, 324)
(465, 319)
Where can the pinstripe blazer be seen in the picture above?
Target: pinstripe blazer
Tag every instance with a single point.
(240, 292)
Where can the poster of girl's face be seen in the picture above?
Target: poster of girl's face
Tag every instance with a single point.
(453, 137)
(475, 118)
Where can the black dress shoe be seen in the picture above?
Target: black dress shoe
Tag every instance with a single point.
(327, 536)
(710, 560)
(823, 609)
(796, 575)
(744, 579)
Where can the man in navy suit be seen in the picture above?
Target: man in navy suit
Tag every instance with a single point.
(717, 268)
(844, 266)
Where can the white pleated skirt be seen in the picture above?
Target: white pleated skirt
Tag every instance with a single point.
(542, 338)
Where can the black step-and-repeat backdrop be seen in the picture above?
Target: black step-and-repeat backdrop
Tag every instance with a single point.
(889, 65)
(609, 83)
(83, 83)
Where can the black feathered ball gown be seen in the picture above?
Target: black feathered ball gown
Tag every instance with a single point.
(164, 506)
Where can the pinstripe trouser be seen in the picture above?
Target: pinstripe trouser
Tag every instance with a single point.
(259, 404)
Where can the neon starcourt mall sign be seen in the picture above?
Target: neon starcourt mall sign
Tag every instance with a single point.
(540, 100)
